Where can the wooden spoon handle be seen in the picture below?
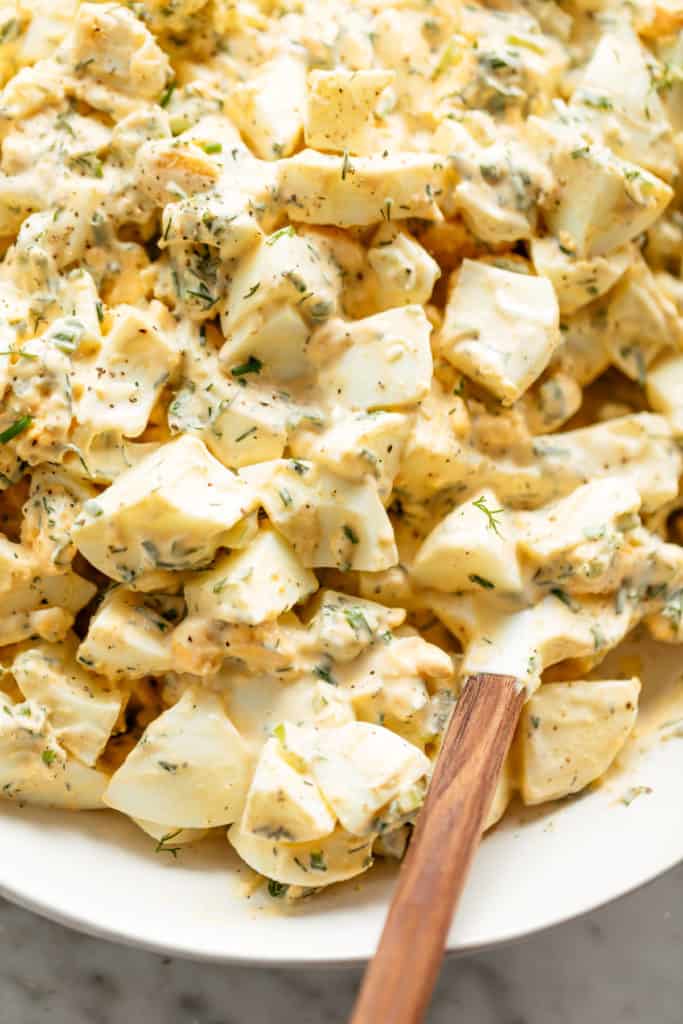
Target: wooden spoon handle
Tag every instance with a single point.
(399, 980)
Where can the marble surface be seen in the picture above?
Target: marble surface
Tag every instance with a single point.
(619, 965)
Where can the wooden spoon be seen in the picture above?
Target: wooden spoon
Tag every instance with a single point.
(398, 982)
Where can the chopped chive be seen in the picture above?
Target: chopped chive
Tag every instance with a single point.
(481, 581)
(597, 102)
(18, 427)
(166, 95)
(564, 597)
(252, 365)
(288, 231)
(276, 889)
(317, 860)
(323, 672)
(357, 620)
(80, 66)
(445, 60)
(18, 352)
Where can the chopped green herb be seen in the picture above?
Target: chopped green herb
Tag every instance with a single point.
(564, 597)
(10, 30)
(285, 497)
(163, 847)
(320, 311)
(252, 291)
(621, 598)
(245, 435)
(323, 672)
(212, 147)
(63, 124)
(357, 621)
(493, 61)
(490, 173)
(18, 427)
(252, 365)
(597, 102)
(166, 95)
(81, 65)
(90, 164)
(673, 610)
(68, 336)
(282, 233)
(526, 43)
(490, 513)
(668, 78)
(151, 549)
(297, 282)
(48, 756)
(481, 582)
(350, 533)
(598, 638)
(445, 60)
(276, 889)
(202, 293)
(18, 352)
(317, 860)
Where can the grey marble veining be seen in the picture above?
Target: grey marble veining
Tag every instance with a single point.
(620, 965)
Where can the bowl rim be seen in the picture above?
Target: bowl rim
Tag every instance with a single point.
(77, 923)
(603, 868)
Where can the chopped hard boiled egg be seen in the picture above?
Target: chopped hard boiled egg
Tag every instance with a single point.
(501, 328)
(570, 734)
(339, 360)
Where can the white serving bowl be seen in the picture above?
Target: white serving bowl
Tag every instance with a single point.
(99, 873)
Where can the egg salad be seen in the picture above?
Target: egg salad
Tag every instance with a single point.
(341, 357)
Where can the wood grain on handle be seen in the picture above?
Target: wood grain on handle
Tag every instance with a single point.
(399, 980)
